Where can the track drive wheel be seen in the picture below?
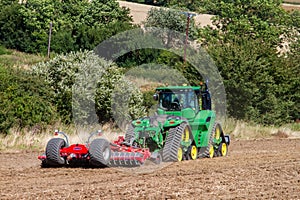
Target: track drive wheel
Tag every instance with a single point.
(53, 156)
(100, 152)
(180, 154)
(211, 151)
(172, 151)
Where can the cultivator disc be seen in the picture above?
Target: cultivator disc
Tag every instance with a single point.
(124, 155)
(126, 159)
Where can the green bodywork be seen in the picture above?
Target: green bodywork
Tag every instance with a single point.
(150, 132)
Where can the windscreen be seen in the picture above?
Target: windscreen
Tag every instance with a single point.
(178, 100)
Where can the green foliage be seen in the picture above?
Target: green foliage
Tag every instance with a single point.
(260, 86)
(266, 20)
(117, 98)
(4, 51)
(24, 100)
(74, 75)
(76, 24)
(170, 19)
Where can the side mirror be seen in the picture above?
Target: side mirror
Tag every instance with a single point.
(155, 97)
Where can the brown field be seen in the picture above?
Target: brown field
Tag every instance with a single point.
(291, 7)
(139, 13)
(253, 169)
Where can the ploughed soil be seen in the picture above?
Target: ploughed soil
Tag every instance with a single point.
(253, 169)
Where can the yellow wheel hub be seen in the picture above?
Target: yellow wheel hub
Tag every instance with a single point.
(180, 154)
(186, 135)
(211, 151)
(194, 152)
(224, 149)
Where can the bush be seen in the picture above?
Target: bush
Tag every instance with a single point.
(24, 100)
(87, 81)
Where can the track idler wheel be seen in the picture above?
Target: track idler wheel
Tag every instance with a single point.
(193, 152)
(223, 149)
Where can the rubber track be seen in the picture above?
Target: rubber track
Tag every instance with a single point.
(170, 150)
(205, 154)
(53, 152)
(96, 152)
(129, 133)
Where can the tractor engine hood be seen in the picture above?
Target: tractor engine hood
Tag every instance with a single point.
(158, 121)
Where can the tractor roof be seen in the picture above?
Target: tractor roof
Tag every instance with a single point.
(178, 88)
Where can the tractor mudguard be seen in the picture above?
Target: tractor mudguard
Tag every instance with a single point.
(173, 121)
(227, 139)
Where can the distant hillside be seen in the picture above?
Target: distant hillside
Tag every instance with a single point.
(139, 11)
(289, 7)
(292, 1)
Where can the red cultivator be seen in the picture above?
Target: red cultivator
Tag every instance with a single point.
(97, 153)
(127, 156)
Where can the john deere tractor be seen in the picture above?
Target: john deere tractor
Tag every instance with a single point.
(184, 126)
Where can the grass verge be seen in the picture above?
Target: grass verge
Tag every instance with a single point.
(13, 58)
(18, 140)
(243, 130)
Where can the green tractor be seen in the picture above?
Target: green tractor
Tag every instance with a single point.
(184, 126)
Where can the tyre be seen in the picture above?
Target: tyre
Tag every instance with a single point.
(172, 151)
(53, 156)
(129, 135)
(100, 153)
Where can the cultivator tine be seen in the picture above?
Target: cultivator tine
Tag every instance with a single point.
(126, 159)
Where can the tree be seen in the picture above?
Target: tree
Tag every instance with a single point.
(260, 81)
(76, 24)
(174, 20)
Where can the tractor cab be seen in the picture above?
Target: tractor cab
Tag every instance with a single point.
(183, 101)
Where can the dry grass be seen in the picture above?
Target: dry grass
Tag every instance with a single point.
(29, 140)
(244, 130)
(144, 84)
(21, 60)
